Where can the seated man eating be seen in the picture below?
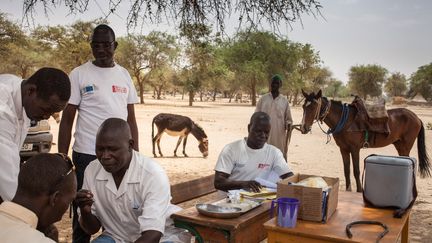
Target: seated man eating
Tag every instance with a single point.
(125, 192)
(244, 160)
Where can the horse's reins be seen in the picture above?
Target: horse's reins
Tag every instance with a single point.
(320, 118)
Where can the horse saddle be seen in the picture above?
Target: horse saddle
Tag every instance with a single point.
(370, 117)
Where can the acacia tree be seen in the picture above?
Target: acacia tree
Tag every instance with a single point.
(304, 71)
(421, 81)
(199, 53)
(367, 80)
(396, 84)
(16, 49)
(254, 13)
(68, 46)
(141, 55)
(248, 56)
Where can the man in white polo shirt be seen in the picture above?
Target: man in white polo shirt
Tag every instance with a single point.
(22, 101)
(100, 89)
(125, 192)
(244, 160)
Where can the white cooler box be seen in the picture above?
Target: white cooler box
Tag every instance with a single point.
(389, 181)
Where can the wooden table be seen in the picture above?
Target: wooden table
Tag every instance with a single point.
(247, 228)
(350, 208)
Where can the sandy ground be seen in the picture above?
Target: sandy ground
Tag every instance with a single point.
(225, 122)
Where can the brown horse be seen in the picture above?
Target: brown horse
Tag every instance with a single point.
(177, 125)
(403, 124)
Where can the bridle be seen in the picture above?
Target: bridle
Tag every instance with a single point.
(318, 116)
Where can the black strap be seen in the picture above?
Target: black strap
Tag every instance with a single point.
(380, 236)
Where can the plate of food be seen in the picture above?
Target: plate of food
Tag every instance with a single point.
(218, 211)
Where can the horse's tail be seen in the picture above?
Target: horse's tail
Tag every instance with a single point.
(424, 164)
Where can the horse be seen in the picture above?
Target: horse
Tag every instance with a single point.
(403, 124)
(177, 125)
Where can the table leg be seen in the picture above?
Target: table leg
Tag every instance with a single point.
(405, 230)
(205, 234)
(191, 229)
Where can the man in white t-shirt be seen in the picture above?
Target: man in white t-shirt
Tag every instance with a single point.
(125, 192)
(242, 161)
(100, 89)
(22, 101)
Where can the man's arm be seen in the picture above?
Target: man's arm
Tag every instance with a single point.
(131, 120)
(149, 236)
(222, 182)
(65, 129)
(89, 223)
(9, 153)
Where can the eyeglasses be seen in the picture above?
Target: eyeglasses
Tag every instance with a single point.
(63, 176)
(69, 161)
(103, 44)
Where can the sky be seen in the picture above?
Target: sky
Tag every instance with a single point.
(395, 34)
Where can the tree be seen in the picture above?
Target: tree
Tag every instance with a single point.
(334, 88)
(421, 81)
(17, 50)
(251, 56)
(199, 53)
(141, 55)
(10, 33)
(162, 77)
(367, 80)
(256, 13)
(69, 46)
(396, 85)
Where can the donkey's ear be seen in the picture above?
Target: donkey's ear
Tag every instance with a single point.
(304, 93)
(319, 94)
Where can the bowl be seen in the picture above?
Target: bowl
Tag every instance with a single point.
(216, 211)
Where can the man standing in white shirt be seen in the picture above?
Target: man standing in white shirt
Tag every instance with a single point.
(244, 160)
(22, 101)
(277, 107)
(46, 187)
(100, 89)
(124, 192)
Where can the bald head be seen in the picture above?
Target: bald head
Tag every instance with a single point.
(259, 116)
(114, 146)
(115, 127)
(259, 130)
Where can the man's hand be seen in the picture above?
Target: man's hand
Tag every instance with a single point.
(251, 186)
(84, 200)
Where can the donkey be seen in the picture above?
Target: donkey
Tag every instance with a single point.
(177, 125)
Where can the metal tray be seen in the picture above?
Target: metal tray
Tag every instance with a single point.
(216, 211)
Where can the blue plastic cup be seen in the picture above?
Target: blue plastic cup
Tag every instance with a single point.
(287, 211)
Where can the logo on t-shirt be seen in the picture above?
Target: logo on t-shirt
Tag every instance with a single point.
(263, 166)
(88, 89)
(118, 89)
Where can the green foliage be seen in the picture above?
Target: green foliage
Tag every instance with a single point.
(396, 85)
(66, 46)
(421, 81)
(367, 80)
(144, 55)
(335, 89)
(200, 53)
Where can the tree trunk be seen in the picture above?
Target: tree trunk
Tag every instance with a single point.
(253, 93)
(141, 90)
(191, 98)
(214, 94)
